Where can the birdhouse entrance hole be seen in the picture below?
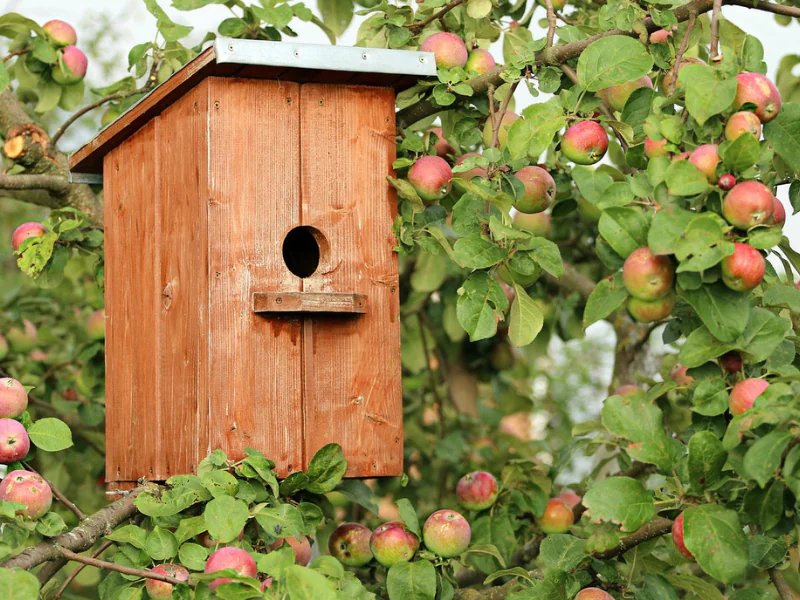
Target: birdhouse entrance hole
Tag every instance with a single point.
(303, 248)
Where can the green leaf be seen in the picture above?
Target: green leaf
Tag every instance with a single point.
(532, 135)
(477, 252)
(336, 14)
(710, 399)
(477, 9)
(326, 469)
(764, 457)
(607, 296)
(714, 536)
(669, 225)
(481, 304)
(742, 153)
(706, 459)
(16, 584)
(169, 29)
(50, 435)
(279, 521)
(702, 245)
(193, 556)
(765, 331)
(637, 109)
(526, 318)
(492, 530)
(724, 311)
(592, 183)
(764, 507)
(49, 95)
(620, 500)
(409, 516)
(194, 4)
(563, 552)
(684, 179)
(225, 518)
(412, 581)
(274, 563)
(220, 483)
(161, 544)
(302, 583)
(51, 524)
(708, 93)
(783, 134)
(641, 424)
(625, 229)
(543, 252)
(766, 552)
(612, 60)
(129, 534)
(699, 587)
(359, 492)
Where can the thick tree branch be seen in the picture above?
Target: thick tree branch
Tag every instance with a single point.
(49, 569)
(79, 539)
(50, 183)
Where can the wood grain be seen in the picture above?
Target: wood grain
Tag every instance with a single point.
(352, 392)
(255, 368)
(309, 302)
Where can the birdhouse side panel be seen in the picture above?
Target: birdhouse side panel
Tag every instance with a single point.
(255, 396)
(352, 363)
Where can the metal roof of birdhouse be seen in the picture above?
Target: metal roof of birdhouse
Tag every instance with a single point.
(256, 59)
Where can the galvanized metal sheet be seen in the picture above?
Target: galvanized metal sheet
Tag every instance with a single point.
(90, 178)
(324, 58)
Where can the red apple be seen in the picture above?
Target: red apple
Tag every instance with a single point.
(755, 88)
(706, 158)
(23, 340)
(748, 204)
(584, 143)
(431, 177)
(393, 543)
(29, 489)
(540, 190)
(63, 34)
(300, 547)
(25, 231)
(14, 441)
(677, 537)
(743, 122)
(679, 375)
(473, 172)
(446, 533)
(350, 544)
(449, 49)
(71, 66)
(502, 134)
(442, 146)
(647, 276)
(662, 35)
(617, 95)
(681, 156)
(726, 182)
(480, 61)
(569, 498)
(655, 148)
(540, 224)
(648, 311)
(731, 361)
(13, 398)
(744, 269)
(161, 590)
(744, 394)
(477, 490)
(96, 325)
(593, 593)
(628, 390)
(557, 518)
(230, 558)
(778, 213)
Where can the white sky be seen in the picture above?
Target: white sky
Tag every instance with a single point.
(136, 25)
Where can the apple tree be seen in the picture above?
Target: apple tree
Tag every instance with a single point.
(635, 196)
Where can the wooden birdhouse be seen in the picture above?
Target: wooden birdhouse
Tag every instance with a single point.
(251, 287)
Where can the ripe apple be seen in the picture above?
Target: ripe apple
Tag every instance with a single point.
(14, 441)
(161, 590)
(442, 146)
(748, 204)
(662, 35)
(778, 213)
(557, 518)
(706, 158)
(431, 177)
(726, 182)
(569, 498)
(25, 231)
(679, 375)
(617, 95)
(628, 390)
(473, 172)
(647, 276)
(300, 547)
(540, 224)
(755, 88)
(23, 340)
(540, 190)
(593, 593)
(29, 489)
(96, 325)
(731, 361)
(648, 311)
(393, 543)
(743, 122)
(350, 544)
(744, 269)
(655, 148)
(13, 398)
(61, 33)
(744, 394)
(477, 490)
(449, 49)
(677, 537)
(502, 134)
(584, 143)
(446, 533)
(480, 61)
(230, 558)
(71, 67)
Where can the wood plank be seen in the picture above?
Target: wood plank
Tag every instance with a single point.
(255, 366)
(309, 302)
(183, 404)
(133, 302)
(352, 366)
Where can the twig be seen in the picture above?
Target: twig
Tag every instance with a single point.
(498, 121)
(646, 533)
(61, 497)
(90, 107)
(103, 547)
(437, 15)
(11, 55)
(110, 566)
(679, 56)
(784, 591)
(551, 23)
(716, 56)
(777, 9)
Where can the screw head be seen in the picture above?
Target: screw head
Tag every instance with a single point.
(230, 47)
(422, 59)
(278, 300)
(364, 56)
